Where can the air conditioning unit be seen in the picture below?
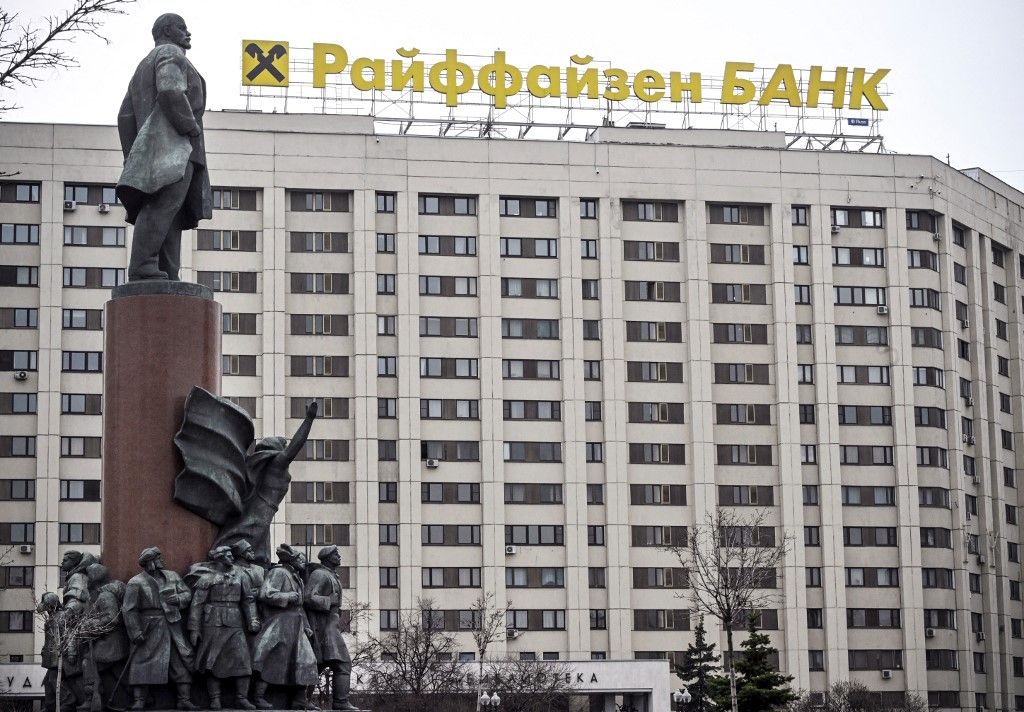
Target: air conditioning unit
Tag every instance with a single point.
(929, 632)
(69, 205)
(981, 558)
(969, 401)
(512, 633)
(25, 549)
(882, 309)
(835, 229)
(969, 440)
(937, 237)
(980, 636)
(104, 207)
(433, 464)
(964, 323)
(20, 375)
(886, 674)
(510, 550)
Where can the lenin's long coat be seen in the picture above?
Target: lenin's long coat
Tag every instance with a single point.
(282, 654)
(165, 102)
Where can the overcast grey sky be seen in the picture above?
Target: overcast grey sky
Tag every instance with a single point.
(955, 79)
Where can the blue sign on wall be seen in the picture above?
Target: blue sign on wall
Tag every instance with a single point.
(857, 122)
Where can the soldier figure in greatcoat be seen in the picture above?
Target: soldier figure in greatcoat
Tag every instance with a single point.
(153, 603)
(223, 608)
(105, 653)
(281, 653)
(323, 609)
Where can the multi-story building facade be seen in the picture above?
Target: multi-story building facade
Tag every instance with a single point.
(540, 361)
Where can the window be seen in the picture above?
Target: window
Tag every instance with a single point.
(386, 284)
(386, 325)
(810, 493)
(588, 208)
(11, 234)
(925, 299)
(387, 491)
(805, 373)
(861, 296)
(999, 292)
(89, 361)
(387, 366)
(388, 534)
(806, 412)
(385, 243)
(591, 370)
(959, 273)
(812, 577)
(815, 659)
(799, 214)
(801, 255)
(591, 289)
(595, 494)
(385, 202)
(802, 293)
(26, 193)
(588, 249)
(508, 207)
(388, 574)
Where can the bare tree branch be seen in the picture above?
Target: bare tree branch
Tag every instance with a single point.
(531, 685)
(29, 49)
(415, 662)
(733, 563)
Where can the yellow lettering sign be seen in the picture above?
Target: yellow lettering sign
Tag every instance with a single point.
(265, 63)
(322, 66)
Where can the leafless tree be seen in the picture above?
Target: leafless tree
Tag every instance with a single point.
(29, 49)
(531, 685)
(67, 630)
(733, 563)
(850, 696)
(488, 628)
(416, 665)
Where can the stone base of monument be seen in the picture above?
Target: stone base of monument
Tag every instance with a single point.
(162, 338)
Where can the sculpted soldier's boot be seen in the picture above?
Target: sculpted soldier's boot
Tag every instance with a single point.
(185, 697)
(260, 696)
(341, 683)
(242, 694)
(213, 692)
(299, 699)
(138, 698)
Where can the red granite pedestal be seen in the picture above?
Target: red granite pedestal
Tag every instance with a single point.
(162, 338)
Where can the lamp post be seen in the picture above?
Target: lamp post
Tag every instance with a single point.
(682, 696)
(489, 700)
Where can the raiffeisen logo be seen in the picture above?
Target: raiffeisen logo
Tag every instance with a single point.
(264, 63)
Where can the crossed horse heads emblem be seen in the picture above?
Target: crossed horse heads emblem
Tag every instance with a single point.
(265, 61)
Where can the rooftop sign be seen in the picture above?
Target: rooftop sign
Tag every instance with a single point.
(265, 63)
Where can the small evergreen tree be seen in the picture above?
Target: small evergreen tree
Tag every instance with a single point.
(758, 687)
(697, 669)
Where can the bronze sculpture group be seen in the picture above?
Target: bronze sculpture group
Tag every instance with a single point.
(239, 625)
(212, 623)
